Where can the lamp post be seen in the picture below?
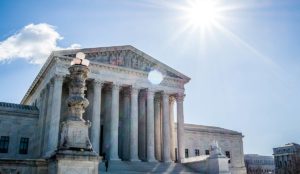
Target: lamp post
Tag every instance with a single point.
(74, 135)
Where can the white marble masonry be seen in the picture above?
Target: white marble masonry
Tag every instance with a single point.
(55, 114)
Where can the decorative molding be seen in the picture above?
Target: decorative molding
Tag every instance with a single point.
(18, 106)
(124, 58)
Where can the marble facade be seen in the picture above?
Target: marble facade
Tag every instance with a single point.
(131, 118)
(117, 74)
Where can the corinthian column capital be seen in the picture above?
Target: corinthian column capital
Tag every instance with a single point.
(98, 83)
(58, 77)
(157, 98)
(180, 97)
(116, 86)
(150, 92)
(134, 90)
(171, 99)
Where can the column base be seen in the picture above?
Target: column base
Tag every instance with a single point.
(134, 160)
(114, 159)
(168, 161)
(151, 160)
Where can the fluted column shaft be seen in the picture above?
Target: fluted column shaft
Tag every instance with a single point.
(142, 129)
(172, 141)
(96, 119)
(180, 126)
(150, 126)
(55, 113)
(134, 125)
(166, 129)
(114, 123)
(126, 126)
(48, 117)
(157, 127)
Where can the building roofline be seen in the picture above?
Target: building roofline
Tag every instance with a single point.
(110, 48)
(210, 129)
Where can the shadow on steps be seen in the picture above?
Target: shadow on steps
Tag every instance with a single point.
(144, 167)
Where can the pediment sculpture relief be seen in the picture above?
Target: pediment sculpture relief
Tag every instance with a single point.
(124, 58)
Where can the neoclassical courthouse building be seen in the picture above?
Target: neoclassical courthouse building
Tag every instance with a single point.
(122, 102)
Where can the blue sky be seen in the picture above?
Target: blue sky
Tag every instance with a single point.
(245, 75)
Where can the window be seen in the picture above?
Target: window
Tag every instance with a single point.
(176, 155)
(23, 145)
(206, 152)
(186, 153)
(227, 153)
(4, 141)
(197, 152)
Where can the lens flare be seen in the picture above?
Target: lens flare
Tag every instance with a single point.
(155, 77)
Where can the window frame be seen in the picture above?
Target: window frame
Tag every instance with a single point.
(4, 144)
(186, 153)
(24, 144)
(197, 152)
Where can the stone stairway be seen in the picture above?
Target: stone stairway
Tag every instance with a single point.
(127, 167)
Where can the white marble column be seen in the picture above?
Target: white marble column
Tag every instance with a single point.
(55, 114)
(166, 129)
(134, 125)
(142, 129)
(180, 126)
(150, 126)
(114, 123)
(172, 141)
(157, 126)
(107, 119)
(48, 117)
(96, 110)
(41, 122)
(126, 125)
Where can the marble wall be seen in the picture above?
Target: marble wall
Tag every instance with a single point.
(201, 137)
(18, 121)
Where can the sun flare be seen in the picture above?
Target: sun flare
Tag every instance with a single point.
(202, 13)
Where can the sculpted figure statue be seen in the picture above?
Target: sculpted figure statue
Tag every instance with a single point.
(215, 149)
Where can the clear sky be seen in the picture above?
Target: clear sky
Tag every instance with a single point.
(244, 66)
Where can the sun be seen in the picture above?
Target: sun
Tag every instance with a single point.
(202, 13)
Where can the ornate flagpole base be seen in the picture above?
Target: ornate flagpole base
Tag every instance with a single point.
(72, 162)
(75, 153)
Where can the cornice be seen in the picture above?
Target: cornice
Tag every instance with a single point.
(168, 81)
(41, 74)
(121, 48)
(55, 55)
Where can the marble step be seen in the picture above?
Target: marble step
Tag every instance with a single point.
(144, 167)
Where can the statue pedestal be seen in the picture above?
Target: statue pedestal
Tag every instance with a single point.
(74, 135)
(217, 162)
(74, 162)
(217, 165)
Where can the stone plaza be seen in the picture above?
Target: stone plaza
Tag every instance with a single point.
(130, 119)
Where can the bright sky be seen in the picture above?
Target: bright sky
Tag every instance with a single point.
(243, 56)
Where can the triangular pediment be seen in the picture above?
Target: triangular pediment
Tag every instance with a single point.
(125, 56)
